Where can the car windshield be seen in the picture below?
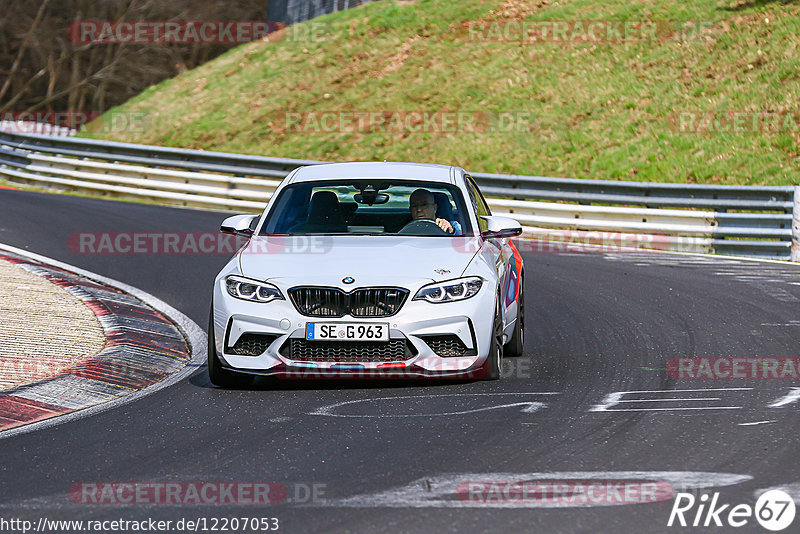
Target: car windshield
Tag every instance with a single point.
(368, 207)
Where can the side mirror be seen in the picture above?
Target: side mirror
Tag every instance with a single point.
(500, 227)
(238, 225)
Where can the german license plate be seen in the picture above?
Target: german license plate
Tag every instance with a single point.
(347, 331)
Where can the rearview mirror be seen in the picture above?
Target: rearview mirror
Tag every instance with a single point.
(500, 227)
(238, 225)
(370, 199)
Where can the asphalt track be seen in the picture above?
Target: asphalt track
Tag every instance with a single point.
(597, 324)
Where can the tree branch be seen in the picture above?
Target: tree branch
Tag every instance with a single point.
(22, 47)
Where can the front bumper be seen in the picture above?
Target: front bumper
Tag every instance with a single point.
(417, 323)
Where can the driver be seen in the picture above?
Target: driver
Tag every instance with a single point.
(422, 206)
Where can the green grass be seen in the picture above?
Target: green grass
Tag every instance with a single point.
(599, 110)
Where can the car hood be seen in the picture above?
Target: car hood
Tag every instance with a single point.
(370, 260)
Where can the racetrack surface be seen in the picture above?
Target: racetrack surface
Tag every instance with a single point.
(597, 324)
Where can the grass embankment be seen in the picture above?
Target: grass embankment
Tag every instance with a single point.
(607, 110)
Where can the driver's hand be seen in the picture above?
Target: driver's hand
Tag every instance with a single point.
(445, 225)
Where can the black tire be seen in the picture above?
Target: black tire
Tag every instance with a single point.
(494, 362)
(516, 345)
(222, 377)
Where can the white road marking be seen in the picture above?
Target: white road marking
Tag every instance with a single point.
(671, 400)
(789, 398)
(673, 409)
(529, 406)
(756, 423)
(72, 393)
(533, 407)
(792, 489)
(616, 398)
(751, 279)
(443, 491)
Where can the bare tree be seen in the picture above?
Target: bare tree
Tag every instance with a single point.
(43, 68)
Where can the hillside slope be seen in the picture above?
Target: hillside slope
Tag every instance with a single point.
(651, 103)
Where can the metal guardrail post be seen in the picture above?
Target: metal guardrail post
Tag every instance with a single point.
(796, 225)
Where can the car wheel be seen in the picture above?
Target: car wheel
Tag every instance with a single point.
(516, 346)
(219, 376)
(491, 368)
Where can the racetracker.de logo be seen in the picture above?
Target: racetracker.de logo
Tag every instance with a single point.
(460, 367)
(728, 121)
(726, 368)
(580, 31)
(67, 119)
(565, 492)
(93, 121)
(177, 493)
(171, 32)
(193, 243)
(545, 241)
(403, 121)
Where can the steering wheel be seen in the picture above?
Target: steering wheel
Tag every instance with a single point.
(422, 227)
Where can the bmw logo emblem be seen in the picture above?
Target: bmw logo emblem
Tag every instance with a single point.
(348, 280)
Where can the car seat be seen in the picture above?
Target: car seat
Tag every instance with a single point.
(324, 215)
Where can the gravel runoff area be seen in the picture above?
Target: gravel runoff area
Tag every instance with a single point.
(44, 330)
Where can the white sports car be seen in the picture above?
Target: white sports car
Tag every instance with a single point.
(369, 270)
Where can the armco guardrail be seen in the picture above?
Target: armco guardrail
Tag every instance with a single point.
(740, 220)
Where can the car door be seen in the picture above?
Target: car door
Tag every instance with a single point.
(496, 251)
(502, 252)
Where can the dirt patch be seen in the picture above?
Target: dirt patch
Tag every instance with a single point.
(519, 9)
(396, 61)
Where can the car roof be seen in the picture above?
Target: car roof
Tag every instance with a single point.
(426, 172)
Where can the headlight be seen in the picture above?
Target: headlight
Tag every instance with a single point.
(452, 290)
(246, 289)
